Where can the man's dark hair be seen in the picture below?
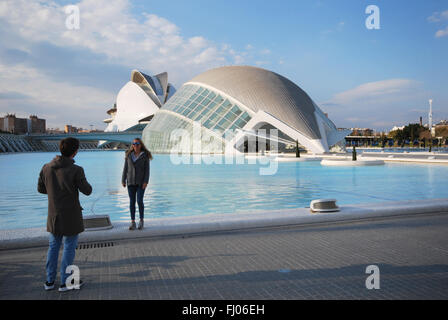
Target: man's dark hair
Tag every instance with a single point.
(68, 146)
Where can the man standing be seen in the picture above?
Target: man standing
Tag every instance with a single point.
(61, 180)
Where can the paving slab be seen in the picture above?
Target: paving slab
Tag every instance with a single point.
(325, 261)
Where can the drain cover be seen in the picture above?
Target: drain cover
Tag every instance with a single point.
(94, 245)
(323, 205)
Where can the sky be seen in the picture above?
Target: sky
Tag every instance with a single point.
(365, 78)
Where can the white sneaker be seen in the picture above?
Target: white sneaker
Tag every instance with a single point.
(64, 288)
(49, 285)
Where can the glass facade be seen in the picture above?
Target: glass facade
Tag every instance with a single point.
(209, 108)
(160, 135)
(198, 104)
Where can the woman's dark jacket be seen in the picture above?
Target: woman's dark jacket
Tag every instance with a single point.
(61, 180)
(136, 173)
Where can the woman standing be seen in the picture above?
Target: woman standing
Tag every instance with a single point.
(136, 177)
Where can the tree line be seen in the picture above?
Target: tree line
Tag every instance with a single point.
(417, 135)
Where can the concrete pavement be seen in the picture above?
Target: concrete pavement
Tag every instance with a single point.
(325, 261)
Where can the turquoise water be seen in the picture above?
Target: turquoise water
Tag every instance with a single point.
(183, 190)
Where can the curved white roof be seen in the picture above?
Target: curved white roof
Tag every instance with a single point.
(241, 100)
(157, 87)
(261, 89)
(133, 105)
(138, 100)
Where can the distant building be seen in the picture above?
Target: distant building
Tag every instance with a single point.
(55, 130)
(232, 105)
(10, 123)
(70, 129)
(361, 132)
(441, 129)
(365, 137)
(37, 125)
(138, 101)
(15, 125)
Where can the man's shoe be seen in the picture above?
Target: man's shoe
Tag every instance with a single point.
(49, 285)
(64, 288)
(140, 225)
(132, 226)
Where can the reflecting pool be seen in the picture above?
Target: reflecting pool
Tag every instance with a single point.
(184, 190)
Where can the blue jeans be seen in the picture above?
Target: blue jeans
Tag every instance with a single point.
(70, 243)
(139, 191)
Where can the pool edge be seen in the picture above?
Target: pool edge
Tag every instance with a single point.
(175, 227)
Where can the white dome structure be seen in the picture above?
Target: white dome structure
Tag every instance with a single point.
(233, 102)
(138, 101)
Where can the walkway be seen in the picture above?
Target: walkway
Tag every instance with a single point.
(327, 261)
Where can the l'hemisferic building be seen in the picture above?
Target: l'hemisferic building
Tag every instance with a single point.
(229, 105)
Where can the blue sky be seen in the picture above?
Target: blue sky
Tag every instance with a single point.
(360, 77)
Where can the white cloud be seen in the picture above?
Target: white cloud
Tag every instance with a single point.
(261, 63)
(442, 33)
(239, 59)
(438, 16)
(107, 27)
(147, 42)
(379, 104)
(389, 90)
(53, 98)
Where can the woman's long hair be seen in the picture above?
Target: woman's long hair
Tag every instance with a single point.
(148, 153)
